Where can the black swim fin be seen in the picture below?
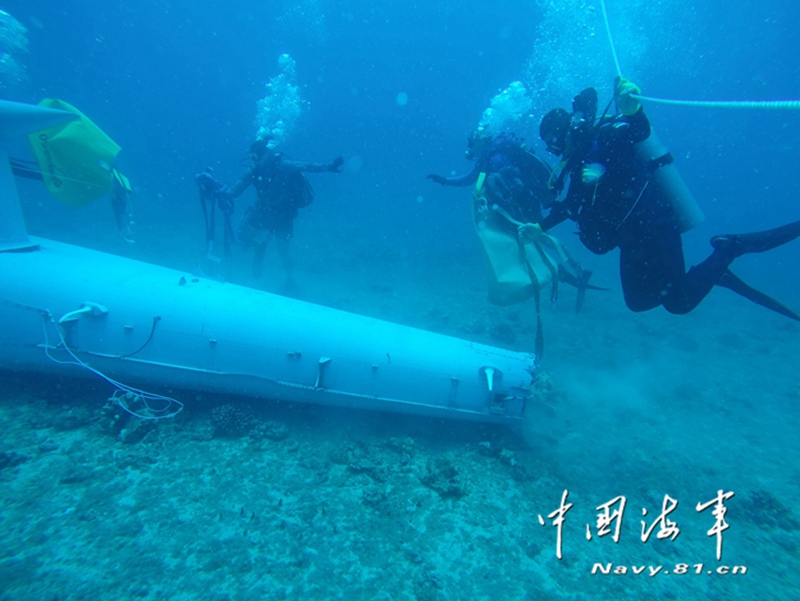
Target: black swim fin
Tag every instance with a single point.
(733, 282)
(580, 282)
(757, 242)
(567, 277)
(583, 283)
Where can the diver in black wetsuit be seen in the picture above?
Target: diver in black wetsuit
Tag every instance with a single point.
(516, 178)
(613, 199)
(281, 189)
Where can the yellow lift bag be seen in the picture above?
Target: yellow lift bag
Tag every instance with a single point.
(76, 159)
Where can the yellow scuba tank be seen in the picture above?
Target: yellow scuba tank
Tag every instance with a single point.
(669, 182)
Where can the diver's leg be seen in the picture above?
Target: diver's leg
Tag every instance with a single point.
(653, 269)
(714, 271)
(286, 258)
(701, 278)
(695, 285)
(260, 242)
(646, 271)
(649, 257)
(247, 228)
(656, 265)
(666, 280)
(283, 235)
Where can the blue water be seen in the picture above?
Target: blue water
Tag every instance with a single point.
(644, 405)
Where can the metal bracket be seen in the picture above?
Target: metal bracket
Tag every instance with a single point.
(321, 369)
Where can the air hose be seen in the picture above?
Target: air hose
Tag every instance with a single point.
(734, 104)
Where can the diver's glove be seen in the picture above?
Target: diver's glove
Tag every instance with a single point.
(336, 165)
(592, 173)
(622, 91)
(438, 179)
(530, 233)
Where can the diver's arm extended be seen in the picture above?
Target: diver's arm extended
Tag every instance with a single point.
(558, 214)
(244, 182)
(466, 179)
(332, 167)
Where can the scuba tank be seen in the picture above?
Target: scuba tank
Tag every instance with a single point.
(582, 130)
(669, 182)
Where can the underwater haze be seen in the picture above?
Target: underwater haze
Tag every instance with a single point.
(305, 502)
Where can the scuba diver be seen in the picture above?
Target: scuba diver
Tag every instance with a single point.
(621, 201)
(516, 190)
(516, 177)
(281, 189)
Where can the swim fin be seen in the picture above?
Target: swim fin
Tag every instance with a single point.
(757, 242)
(583, 283)
(580, 282)
(733, 282)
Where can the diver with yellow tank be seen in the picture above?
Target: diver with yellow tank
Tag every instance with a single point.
(625, 192)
